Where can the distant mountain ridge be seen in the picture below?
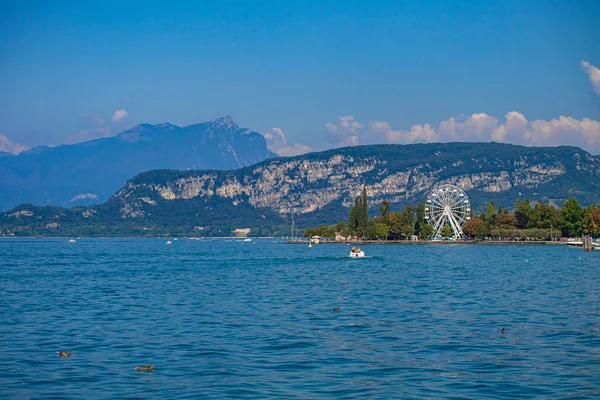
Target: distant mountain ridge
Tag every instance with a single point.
(92, 171)
(320, 188)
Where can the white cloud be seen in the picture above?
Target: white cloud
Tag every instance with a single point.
(594, 74)
(83, 196)
(293, 150)
(516, 126)
(481, 127)
(277, 143)
(350, 124)
(477, 127)
(417, 133)
(275, 138)
(346, 131)
(119, 115)
(584, 133)
(9, 146)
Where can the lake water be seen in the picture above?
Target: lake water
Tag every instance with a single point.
(225, 318)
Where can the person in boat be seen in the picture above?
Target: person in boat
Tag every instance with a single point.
(355, 250)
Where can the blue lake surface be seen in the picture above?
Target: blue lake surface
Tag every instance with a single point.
(225, 318)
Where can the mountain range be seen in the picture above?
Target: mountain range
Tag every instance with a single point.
(90, 172)
(320, 188)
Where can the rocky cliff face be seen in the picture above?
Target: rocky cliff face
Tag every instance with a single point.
(318, 188)
(322, 186)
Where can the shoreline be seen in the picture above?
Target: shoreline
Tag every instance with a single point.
(306, 242)
(433, 242)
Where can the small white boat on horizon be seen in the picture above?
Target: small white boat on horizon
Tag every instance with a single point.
(169, 242)
(72, 241)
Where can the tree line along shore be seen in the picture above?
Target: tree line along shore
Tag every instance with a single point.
(526, 221)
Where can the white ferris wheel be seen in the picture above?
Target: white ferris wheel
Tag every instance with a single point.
(447, 204)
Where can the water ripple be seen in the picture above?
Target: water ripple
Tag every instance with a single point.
(232, 319)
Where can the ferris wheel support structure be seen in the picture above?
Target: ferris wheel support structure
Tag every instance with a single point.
(447, 204)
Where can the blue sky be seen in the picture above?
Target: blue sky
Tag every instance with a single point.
(308, 74)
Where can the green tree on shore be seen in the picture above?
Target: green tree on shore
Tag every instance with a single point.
(546, 216)
(572, 214)
(394, 222)
(382, 231)
(472, 227)
(591, 221)
(525, 221)
(341, 228)
(358, 218)
(425, 231)
(446, 231)
(353, 217)
(522, 213)
(384, 208)
(420, 219)
(490, 213)
(505, 219)
(364, 211)
(408, 222)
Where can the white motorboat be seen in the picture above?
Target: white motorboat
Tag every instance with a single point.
(72, 241)
(169, 242)
(579, 244)
(357, 254)
(575, 243)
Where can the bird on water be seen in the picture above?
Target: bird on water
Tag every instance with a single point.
(336, 308)
(66, 354)
(144, 367)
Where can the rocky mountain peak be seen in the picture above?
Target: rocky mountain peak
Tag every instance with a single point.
(166, 125)
(102, 166)
(225, 122)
